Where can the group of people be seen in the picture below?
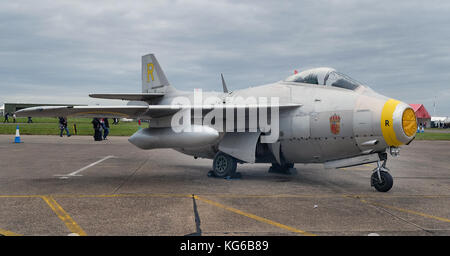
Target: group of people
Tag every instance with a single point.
(7, 115)
(421, 127)
(440, 124)
(100, 125)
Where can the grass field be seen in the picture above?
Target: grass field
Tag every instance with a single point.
(433, 136)
(50, 126)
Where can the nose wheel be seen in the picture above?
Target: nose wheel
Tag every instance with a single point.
(381, 179)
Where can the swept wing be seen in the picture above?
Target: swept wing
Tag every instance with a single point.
(142, 112)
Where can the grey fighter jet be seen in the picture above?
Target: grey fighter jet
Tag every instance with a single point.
(314, 116)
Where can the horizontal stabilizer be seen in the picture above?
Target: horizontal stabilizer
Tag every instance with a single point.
(128, 96)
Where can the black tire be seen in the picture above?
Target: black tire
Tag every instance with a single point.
(386, 181)
(224, 165)
(283, 169)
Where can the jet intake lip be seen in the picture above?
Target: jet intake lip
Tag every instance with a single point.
(398, 123)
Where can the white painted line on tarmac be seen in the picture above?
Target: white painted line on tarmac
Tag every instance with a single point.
(76, 173)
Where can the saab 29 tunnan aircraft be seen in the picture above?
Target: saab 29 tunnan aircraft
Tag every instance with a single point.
(314, 116)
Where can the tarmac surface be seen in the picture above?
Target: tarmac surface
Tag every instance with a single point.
(75, 186)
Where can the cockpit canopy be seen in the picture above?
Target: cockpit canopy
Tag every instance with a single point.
(324, 76)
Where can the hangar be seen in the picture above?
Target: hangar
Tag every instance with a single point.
(422, 114)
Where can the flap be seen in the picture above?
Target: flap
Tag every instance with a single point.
(241, 145)
(128, 96)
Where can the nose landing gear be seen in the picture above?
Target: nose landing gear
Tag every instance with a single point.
(381, 179)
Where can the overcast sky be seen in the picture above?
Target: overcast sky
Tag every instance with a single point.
(60, 51)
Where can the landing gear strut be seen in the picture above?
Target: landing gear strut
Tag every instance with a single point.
(381, 179)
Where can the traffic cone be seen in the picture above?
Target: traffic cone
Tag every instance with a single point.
(17, 139)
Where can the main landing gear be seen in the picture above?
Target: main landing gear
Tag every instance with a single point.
(381, 179)
(281, 168)
(224, 165)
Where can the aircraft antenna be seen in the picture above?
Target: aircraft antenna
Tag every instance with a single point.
(224, 85)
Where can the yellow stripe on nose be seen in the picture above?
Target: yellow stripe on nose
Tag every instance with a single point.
(387, 123)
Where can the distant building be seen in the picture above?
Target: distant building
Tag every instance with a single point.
(440, 122)
(422, 115)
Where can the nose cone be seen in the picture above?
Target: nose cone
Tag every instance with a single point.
(398, 123)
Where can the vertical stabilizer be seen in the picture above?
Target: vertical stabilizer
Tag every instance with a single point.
(153, 78)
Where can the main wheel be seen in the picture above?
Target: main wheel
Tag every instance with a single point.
(224, 165)
(283, 169)
(386, 181)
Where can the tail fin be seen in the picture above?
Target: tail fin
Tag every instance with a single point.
(153, 78)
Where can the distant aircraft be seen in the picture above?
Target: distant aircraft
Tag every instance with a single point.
(314, 116)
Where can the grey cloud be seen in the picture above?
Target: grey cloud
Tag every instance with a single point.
(72, 48)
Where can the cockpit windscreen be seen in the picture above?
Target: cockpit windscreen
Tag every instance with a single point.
(325, 76)
(337, 79)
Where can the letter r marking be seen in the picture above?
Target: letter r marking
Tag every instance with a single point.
(150, 72)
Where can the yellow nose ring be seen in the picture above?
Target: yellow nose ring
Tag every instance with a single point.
(398, 123)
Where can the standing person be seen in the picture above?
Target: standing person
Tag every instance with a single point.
(6, 118)
(14, 117)
(102, 125)
(30, 120)
(105, 126)
(63, 126)
(97, 129)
